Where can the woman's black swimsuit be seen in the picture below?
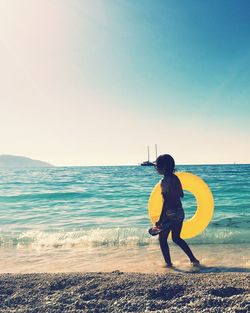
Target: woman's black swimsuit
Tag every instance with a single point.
(172, 217)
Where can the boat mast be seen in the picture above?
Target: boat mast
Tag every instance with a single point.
(148, 153)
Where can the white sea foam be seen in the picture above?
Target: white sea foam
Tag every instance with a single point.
(114, 237)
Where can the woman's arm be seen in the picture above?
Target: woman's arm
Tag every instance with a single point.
(177, 188)
(159, 222)
(164, 193)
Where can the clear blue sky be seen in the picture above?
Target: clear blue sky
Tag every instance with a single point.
(95, 82)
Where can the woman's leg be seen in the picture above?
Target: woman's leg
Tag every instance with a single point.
(176, 229)
(163, 239)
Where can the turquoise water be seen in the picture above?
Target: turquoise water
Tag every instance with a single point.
(91, 207)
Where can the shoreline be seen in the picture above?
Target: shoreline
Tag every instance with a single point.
(144, 259)
(125, 292)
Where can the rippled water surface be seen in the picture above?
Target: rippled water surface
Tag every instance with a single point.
(91, 207)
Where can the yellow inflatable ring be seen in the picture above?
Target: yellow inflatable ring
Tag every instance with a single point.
(204, 210)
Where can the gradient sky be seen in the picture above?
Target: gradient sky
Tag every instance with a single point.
(96, 82)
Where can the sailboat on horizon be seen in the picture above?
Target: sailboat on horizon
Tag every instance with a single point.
(148, 163)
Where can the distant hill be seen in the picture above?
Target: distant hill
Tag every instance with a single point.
(20, 161)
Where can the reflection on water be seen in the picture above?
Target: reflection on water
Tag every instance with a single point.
(147, 259)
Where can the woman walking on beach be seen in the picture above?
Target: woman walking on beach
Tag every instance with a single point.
(172, 214)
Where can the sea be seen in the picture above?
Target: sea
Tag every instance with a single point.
(92, 219)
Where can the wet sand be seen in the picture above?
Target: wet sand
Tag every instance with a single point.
(125, 292)
(145, 259)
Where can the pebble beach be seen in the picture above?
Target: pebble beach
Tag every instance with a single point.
(125, 292)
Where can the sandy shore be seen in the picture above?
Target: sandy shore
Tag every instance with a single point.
(125, 292)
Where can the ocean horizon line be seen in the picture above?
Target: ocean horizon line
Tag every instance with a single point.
(124, 165)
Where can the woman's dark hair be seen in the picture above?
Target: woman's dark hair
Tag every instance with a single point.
(165, 163)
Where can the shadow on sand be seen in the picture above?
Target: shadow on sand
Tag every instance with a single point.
(212, 269)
